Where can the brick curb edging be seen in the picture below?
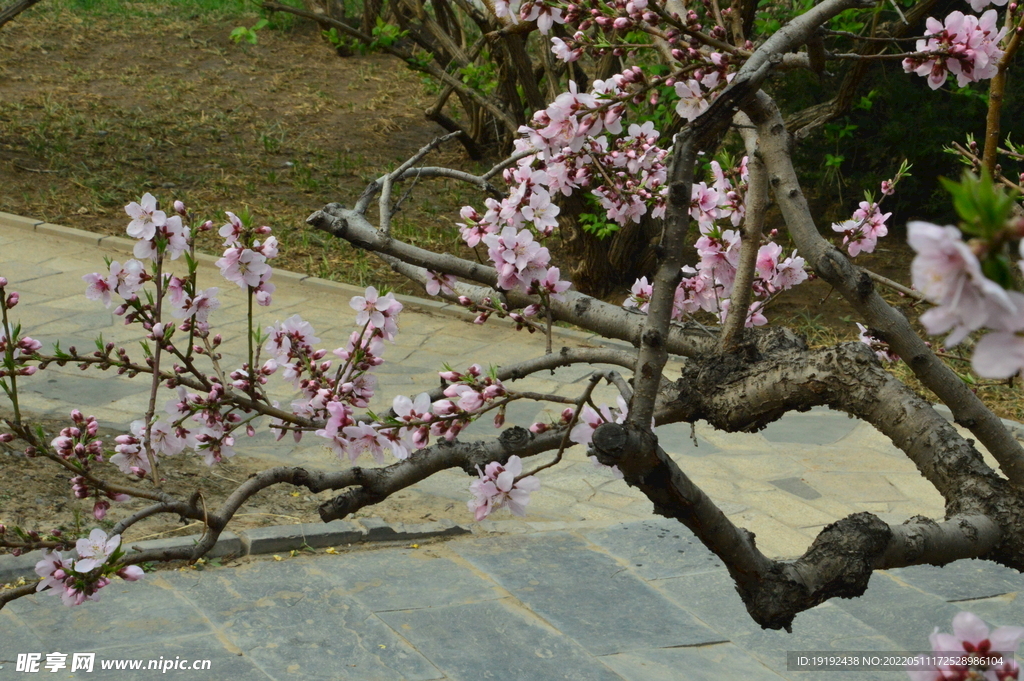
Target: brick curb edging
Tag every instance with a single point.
(124, 245)
(281, 538)
(273, 539)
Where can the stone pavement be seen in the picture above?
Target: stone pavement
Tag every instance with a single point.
(590, 586)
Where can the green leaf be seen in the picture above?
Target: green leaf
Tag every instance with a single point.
(998, 268)
(983, 206)
(239, 34)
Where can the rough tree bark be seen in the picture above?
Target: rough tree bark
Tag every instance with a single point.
(754, 377)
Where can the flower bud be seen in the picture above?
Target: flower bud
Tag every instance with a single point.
(12, 299)
(179, 208)
(3, 282)
(131, 573)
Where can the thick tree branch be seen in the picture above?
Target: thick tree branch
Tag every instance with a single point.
(373, 485)
(859, 290)
(653, 355)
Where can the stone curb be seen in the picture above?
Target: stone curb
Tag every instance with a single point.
(267, 540)
(425, 305)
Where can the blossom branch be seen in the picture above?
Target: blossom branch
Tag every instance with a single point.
(594, 315)
(653, 355)
(996, 93)
(157, 351)
(14, 9)
(753, 222)
(373, 485)
(583, 399)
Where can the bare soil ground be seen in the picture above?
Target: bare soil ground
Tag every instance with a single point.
(95, 112)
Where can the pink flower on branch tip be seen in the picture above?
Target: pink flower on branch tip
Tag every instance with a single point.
(498, 488)
(131, 573)
(291, 338)
(126, 280)
(232, 230)
(145, 217)
(692, 102)
(437, 282)
(380, 312)
(94, 550)
(563, 51)
(1000, 353)
(949, 275)
(243, 266)
(964, 45)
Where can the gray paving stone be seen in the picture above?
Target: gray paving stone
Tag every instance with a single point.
(411, 579)
(676, 439)
(715, 662)
(712, 597)
(89, 390)
(88, 324)
(902, 613)
(225, 663)
(139, 614)
(1001, 611)
(820, 426)
(16, 637)
(17, 273)
(585, 594)
(796, 487)
(290, 619)
(13, 567)
(824, 628)
(656, 549)
(963, 579)
(495, 640)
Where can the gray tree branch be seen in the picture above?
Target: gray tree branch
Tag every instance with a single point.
(858, 289)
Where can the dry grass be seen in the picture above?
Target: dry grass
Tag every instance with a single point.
(96, 110)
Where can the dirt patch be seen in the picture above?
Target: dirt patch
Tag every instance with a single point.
(93, 113)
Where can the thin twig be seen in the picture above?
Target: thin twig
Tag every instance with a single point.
(583, 399)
